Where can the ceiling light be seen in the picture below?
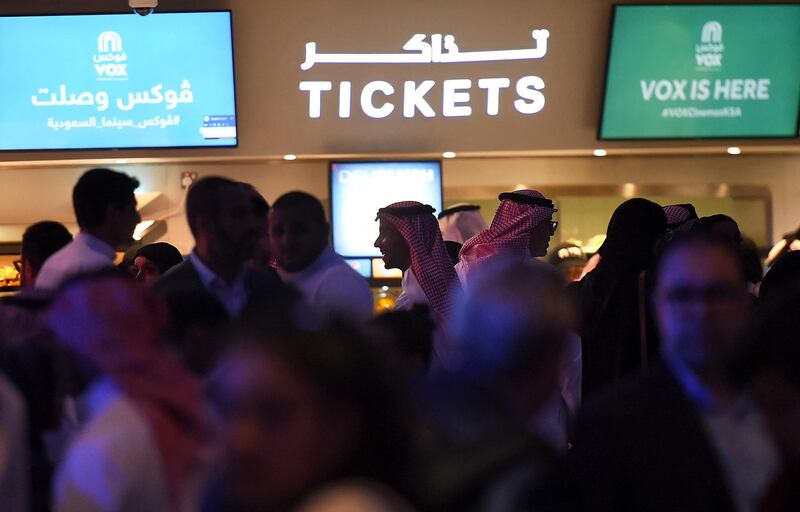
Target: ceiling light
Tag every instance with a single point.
(628, 190)
(733, 150)
(290, 157)
(448, 154)
(141, 228)
(599, 152)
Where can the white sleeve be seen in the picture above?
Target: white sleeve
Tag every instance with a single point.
(347, 294)
(90, 480)
(48, 277)
(113, 466)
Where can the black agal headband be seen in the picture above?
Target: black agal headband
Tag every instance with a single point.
(525, 199)
(460, 208)
(406, 211)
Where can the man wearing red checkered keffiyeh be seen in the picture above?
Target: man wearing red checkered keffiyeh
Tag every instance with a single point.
(419, 252)
(521, 229)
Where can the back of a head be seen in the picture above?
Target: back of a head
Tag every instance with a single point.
(42, 240)
(720, 225)
(409, 334)
(260, 205)
(782, 276)
(96, 191)
(772, 338)
(303, 202)
(509, 317)
(203, 198)
(634, 228)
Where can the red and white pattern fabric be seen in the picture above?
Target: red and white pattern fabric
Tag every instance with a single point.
(680, 217)
(509, 233)
(429, 260)
(117, 326)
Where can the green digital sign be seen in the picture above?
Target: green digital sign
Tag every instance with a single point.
(703, 71)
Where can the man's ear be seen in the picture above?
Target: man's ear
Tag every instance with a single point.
(111, 213)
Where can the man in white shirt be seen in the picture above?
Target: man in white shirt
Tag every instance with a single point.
(105, 208)
(142, 442)
(409, 239)
(299, 240)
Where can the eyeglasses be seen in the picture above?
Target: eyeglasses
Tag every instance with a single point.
(714, 293)
(553, 226)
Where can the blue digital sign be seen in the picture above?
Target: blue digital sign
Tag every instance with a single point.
(359, 189)
(117, 81)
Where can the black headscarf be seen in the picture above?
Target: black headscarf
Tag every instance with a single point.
(783, 275)
(164, 255)
(609, 296)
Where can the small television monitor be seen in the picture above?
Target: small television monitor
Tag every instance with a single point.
(703, 71)
(359, 189)
(117, 81)
(361, 265)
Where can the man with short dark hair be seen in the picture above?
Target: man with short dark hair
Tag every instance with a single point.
(220, 216)
(681, 436)
(299, 241)
(39, 242)
(105, 208)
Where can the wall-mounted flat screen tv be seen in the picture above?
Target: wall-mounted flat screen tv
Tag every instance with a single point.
(703, 71)
(359, 189)
(117, 81)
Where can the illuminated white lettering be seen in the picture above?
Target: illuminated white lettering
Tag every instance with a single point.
(344, 99)
(453, 94)
(529, 88)
(493, 86)
(414, 98)
(369, 107)
(315, 90)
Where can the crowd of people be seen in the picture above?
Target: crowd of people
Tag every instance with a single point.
(253, 375)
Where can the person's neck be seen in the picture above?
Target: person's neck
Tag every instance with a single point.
(102, 235)
(228, 271)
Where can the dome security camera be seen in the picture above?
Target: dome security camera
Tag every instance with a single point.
(143, 7)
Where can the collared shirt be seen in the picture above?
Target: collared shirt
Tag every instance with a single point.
(233, 297)
(332, 287)
(412, 292)
(747, 454)
(113, 464)
(85, 253)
